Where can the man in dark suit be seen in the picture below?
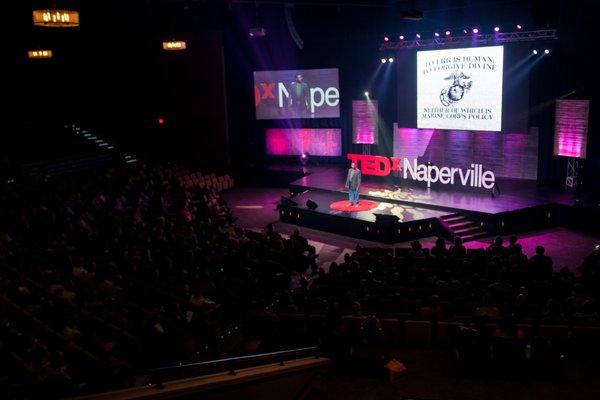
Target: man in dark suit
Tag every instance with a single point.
(299, 97)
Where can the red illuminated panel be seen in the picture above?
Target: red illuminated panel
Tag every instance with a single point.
(571, 127)
(294, 142)
(364, 121)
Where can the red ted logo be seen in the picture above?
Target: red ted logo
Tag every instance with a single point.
(375, 165)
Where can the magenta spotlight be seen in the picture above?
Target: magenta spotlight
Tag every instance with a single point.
(535, 52)
(437, 34)
(391, 59)
(418, 35)
(383, 60)
(401, 37)
(475, 30)
(496, 29)
(519, 27)
(546, 51)
(447, 33)
(465, 31)
(386, 39)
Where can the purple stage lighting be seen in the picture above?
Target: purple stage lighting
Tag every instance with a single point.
(447, 33)
(496, 29)
(437, 34)
(418, 35)
(519, 27)
(475, 30)
(535, 51)
(465, 31)
(401, 37)
(386, 39)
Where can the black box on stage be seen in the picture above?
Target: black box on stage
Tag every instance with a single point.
(287, 202)
(311, 204)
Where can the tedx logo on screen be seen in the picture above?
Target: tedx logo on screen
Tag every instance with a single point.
(296, 94)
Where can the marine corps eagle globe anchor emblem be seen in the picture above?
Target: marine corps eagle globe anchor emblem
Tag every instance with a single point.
(455, 93)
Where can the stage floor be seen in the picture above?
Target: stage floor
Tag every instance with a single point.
(514, 194)
(404, 212)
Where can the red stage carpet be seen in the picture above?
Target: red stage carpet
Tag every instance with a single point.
(344, 206)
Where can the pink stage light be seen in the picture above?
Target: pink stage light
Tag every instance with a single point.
(475, 30)
(401, 37)
(437, 34)
(418, 35)
(447, 33)
(496, 29)
(519, 27)
(386, 39)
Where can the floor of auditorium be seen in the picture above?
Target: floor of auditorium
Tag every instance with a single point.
(431, 375)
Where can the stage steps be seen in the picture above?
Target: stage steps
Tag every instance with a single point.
(463, 226)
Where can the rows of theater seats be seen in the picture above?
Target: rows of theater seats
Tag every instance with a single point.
(210, 181)
(400, 330)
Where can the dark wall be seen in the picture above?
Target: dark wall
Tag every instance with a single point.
(111, 74)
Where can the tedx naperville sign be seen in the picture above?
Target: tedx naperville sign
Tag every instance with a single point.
(411, 169)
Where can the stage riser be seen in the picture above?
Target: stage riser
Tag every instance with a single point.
(359, 229)
(518, 221)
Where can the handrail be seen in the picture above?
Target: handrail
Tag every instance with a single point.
(239, 358)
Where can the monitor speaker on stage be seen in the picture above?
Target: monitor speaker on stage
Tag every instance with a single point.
(385, 219)
(311, 204)
(287, 202)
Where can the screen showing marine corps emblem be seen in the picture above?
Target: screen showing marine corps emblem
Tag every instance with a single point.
(454, 93)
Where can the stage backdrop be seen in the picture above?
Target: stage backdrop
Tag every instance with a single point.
(508, 155)
(294, 142)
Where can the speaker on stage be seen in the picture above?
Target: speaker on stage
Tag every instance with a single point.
(385, 219)
(287, 202)
(311, 204)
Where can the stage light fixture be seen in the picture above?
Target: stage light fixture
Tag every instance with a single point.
(475, 30)
(37, 54)
(386, 39)
(174, 45)
(311, 205)
(519, 27)
(56, 18)
(383, 60)
(418, 35)
(367, 94)
(436, 34)
(534, 51)
(391, 60)
(160, 120)
(546, 51)
(465, 31)
(401, 37)
(447, 33)
(304, 158)
(496, 29)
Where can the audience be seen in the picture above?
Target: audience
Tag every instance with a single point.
(127, 269)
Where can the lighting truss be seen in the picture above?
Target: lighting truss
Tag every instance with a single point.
(471, 39)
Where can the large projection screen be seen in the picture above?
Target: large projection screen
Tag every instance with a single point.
(310, 93)
(460, 89)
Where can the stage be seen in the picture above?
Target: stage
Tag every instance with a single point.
(407, 210)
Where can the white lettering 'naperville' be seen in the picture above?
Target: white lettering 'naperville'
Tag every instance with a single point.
(474, 176)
